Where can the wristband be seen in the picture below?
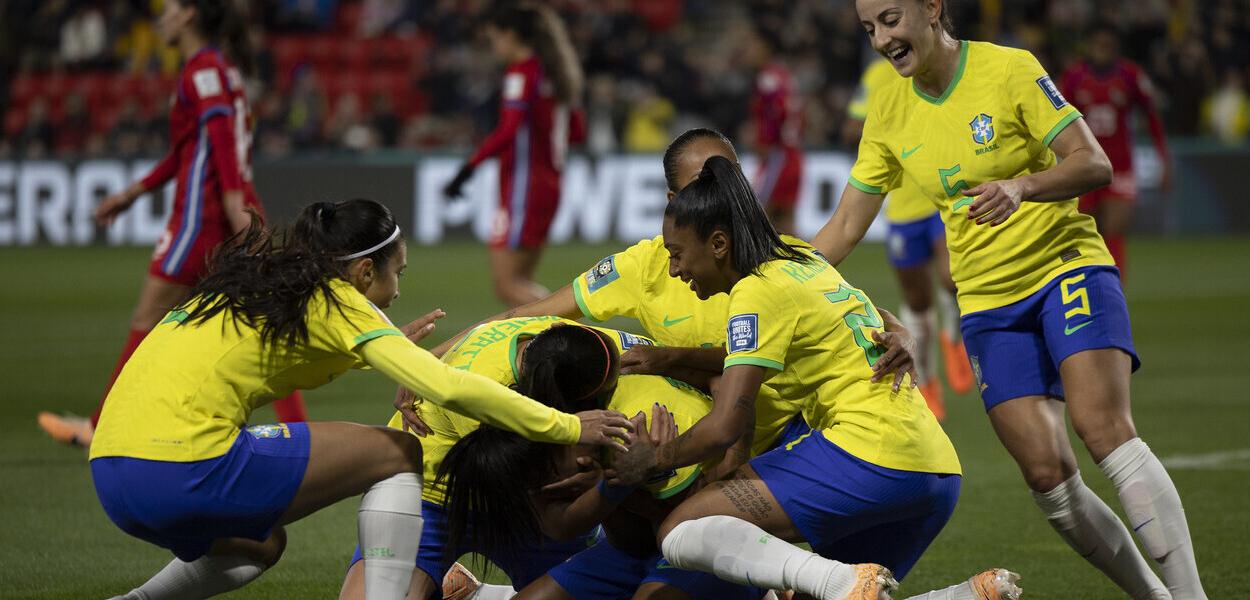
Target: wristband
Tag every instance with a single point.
(614, 493)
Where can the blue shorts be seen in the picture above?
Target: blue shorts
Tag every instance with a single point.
(854, 511)
(186, 506)
(1016, 349)
(604, 572)
(796, 428)
(529, 564)
(911, 244)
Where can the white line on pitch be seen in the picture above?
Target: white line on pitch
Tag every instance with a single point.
(1230, 459)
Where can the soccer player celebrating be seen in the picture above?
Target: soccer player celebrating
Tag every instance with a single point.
(916, 245)
(537, 119)
(1044, 319)
(1106, 88)
(173, 465)
(210, 157)
(778, 120)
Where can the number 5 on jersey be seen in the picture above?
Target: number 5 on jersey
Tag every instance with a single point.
(856, 321)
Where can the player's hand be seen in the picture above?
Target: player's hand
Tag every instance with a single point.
(645, 360)
(453, 189)
(605, 428)
(633, 465)
(405, 402)
(423, 326)
(112, 206)
(663, 427)
(995, 201)
(587, 476)
(899, 357)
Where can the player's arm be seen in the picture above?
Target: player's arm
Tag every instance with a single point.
(559, 303)
(1145, 100)
(510, 119)
(217, 122)
(116, 204)
(479, 398)
(856, 210)
(1083, 166)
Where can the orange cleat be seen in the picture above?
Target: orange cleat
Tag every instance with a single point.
(958, 371)
(996, 584)
(932, 392)
(459, 583)
(71, 430)
(873, 582)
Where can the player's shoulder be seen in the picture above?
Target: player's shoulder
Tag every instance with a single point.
(1004, 60)
(207, 75)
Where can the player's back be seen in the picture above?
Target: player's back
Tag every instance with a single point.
(1106, 97)
(542, 141)
(775, 106)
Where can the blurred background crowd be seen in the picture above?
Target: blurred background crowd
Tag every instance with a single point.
(89, 78)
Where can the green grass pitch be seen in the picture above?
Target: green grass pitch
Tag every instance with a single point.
(63, 318)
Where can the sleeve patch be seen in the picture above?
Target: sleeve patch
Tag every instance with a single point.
(514, 86)
(744, 333)
(629, 340)
(768, 82)
(207, 83)
(603, 273)
(1052, 93)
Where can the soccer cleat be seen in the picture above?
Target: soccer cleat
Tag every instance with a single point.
(955, 357)
(932, 392)
(459, 583)
(996, 584)
(872, 582)
(71, 430)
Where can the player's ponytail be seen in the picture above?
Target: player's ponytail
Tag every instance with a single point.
(569, 367)
(540, 28)
(675, 150)
(488, 477)
(221, 22)
(266, 279)
(722, 199)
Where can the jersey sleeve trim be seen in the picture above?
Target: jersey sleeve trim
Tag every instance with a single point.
(1060, 126)
(212, 111)
(581, 303)
(679, 487)
(863, 187)
(375, 334)
(754, 361)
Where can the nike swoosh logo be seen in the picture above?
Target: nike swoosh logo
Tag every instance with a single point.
(907, 153)
(1071, 330)
(671, 322)
(962, 202)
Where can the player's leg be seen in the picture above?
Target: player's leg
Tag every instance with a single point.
(1115, 217)
(993, 584)
(954, 356)
(420, 588)
(911, 253)
(432, 562)
(512, 273)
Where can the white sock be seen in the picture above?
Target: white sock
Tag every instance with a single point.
(1155, 512)
(920, 324)
(962, 591)
(741, 552)
(389, 523)
(201, 578)
(493, 592)
(948, 310)
(1087, 524)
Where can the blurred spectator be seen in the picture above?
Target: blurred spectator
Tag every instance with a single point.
(126, 136)
(75, 126)
(83, 37)
(385, 122)
(35, 139)
(349, 128)
(647, 127)
(1226, 114)
(305, 15)
(306, 109)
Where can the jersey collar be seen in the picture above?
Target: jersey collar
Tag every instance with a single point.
(959, 73)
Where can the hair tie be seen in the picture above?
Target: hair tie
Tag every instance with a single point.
(366, 252)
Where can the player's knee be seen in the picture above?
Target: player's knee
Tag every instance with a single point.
(273, 548)
(403, 453)
(1102, 437)
(1043, 477)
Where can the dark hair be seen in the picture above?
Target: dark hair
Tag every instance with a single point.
(673, 153)
(945, 19)
(769, 35)
(488, 475)
(722, 199)
(266, 279)
(541, 28)
(569, 367)
(221, 22)
(1103, 26)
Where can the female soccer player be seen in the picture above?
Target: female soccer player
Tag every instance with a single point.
(1044, 319)
(542, 85)
(210, 130)
(916, 246)
(778, 120)
(173, 464)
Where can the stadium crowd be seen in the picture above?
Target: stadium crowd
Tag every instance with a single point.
(89, 78)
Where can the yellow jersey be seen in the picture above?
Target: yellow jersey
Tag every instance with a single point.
(812, 332)
(906, 203)
(190, 387)
(635, 283)
(490, 350)
(994, 122)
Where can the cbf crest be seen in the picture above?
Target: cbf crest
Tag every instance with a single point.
(982, 129)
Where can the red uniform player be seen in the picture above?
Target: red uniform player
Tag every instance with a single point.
(776, 111)
(1106, 88)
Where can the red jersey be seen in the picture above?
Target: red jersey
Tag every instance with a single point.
(210, 153)
(775, 108)
(1107, 98)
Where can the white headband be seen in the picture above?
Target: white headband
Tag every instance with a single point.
(368, 251)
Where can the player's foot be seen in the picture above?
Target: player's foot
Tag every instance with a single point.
(933, 396)
(958, 371)
(996, 584)
(872, 582)
(459, 583)
(69, 429)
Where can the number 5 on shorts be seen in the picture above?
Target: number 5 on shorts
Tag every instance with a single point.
(856, 322)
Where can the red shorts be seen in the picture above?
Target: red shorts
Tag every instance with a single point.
(524, 216)
(183, 251)
(1123, 188)
(778, 177)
